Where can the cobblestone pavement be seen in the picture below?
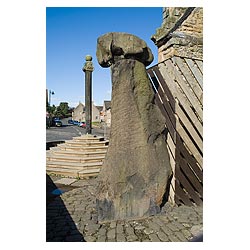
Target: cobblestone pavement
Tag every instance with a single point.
(72, 217)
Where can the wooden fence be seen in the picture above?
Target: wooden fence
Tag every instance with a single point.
(178, 86)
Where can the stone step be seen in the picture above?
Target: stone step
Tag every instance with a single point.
(88, 172)
(70, 158)
(63, 172)
(86, 143)
(81, 148)
(77, 153)
(88, 138)
(72, 165)
(74, 173)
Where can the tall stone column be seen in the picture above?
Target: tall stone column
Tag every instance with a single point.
(136, 170)
(88, 69)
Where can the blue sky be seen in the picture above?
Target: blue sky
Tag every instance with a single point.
(71, 34)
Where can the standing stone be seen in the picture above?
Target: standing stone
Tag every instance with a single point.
(134, 176)
(88, 69)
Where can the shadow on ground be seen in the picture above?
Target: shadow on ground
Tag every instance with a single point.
(60, 227)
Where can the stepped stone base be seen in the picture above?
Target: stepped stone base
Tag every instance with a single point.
(81, 157)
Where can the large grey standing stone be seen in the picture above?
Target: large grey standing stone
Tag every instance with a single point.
(135, 173)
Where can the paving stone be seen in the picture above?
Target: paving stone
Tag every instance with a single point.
(119, 229)
(120, 238)
(90, 238)
(65, 181)
(180, 236)
(111, 233)
(110, 240)
(178, 225)
(154, 238)
(186, 225)
(160, 221)
(80, 183)
(196, 230)
(139, 227)
(129, 230)
(148, 231)
(132, 237)
(102, 231)
(173, 238)
(112, 224)
(172, 227)
(187, 233)
(153, 225)
(101, 238)
(162, 236)
(91, 229)
(166, 230)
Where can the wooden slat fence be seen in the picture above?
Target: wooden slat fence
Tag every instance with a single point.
(178, 87)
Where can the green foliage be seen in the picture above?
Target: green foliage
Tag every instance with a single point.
(61, 111)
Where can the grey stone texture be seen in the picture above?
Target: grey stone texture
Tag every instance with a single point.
(180, 34)
(136, 170)
(73, 225)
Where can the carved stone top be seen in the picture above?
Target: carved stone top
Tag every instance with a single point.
(88, 66)
(118, 45)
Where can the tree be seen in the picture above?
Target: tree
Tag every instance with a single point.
(63, 110)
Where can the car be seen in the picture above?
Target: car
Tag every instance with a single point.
(70, 121)
(56, 122)
(82, 124)
(75, 123)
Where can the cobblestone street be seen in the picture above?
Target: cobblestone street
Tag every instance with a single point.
(72, 217)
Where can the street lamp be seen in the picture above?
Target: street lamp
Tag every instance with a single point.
(50, 93)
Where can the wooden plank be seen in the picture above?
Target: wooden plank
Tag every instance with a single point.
(174, 103)
(167, 106)
(169, 125)
(190, 175)
(171, 145)
(175, 74)
(165, 87)
(181, 195)
(195, 71)
(178, 95)
(189, 77)
(189, 143)
(200, 65)
(190, 128)
(153, 80)
(171, 197)
(189, 158)
(182, 179)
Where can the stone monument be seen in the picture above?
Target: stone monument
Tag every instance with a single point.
(88, 69)
(136, 170)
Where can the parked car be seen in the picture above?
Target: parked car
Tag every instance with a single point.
(82, 124)
(56, 122)
(70, 121)
(75, 123)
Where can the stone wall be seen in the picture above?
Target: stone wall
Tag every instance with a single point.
(181, 33)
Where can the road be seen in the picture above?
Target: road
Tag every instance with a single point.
(67, 132)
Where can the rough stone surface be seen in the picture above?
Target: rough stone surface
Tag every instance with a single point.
(123, 45)
(136, 170)
(180, 34)
(73, 225)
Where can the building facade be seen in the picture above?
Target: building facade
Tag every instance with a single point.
(79, 113)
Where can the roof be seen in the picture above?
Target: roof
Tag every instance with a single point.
(99, 108)
(107, 105)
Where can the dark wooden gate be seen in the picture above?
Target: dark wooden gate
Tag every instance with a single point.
(178, 86)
